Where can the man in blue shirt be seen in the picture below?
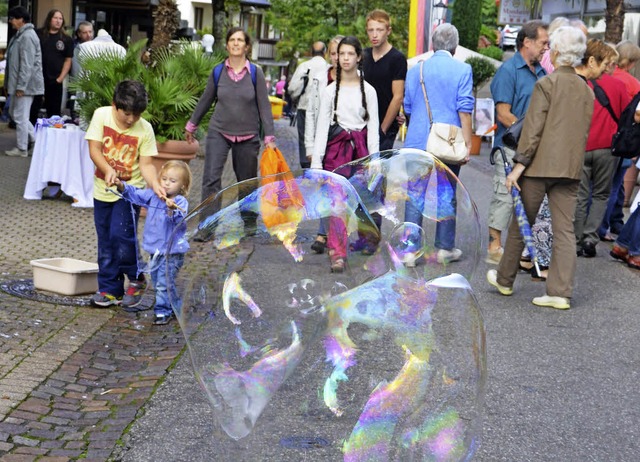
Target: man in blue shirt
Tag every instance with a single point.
(511, 89)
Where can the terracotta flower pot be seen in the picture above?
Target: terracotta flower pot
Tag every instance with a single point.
(476, 144)
(175, 150)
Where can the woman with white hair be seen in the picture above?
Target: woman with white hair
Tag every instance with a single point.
(549, 161)
(448, 86)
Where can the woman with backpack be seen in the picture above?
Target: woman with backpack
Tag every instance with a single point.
(239, 91)
(599, 165)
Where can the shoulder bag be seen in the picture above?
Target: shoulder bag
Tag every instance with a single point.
(511, 136)
(445, 141)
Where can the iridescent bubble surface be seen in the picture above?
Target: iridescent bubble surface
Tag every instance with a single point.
(384, 361)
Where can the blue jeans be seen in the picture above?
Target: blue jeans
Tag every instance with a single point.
(629, 237)
(116, 224)
(614, 216)
(446, 226)
(164, 276)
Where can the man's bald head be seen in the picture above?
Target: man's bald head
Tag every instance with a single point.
(318, 49)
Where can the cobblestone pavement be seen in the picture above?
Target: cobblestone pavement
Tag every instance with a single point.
(72, 379)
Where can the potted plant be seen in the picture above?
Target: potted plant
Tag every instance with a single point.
(483, 70)
(175, 80)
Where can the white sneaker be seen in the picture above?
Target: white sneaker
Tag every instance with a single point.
(559, 303)
(447, 256)
(492, 278)
(15, 152)
(410, 263)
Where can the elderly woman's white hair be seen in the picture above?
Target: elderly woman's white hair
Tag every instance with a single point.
(570, 44)
(445, 37)
(557, 23)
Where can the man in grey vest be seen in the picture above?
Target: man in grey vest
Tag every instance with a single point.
(297, 89)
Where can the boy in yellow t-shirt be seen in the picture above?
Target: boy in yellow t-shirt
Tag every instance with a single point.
(121, 144)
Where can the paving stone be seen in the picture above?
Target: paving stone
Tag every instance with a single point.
(18, 458)
(52, 444)
(61, 413)
(26, 416)
(32, 451)
(70, 453)
(44, 434)
(97, 455)
(75, 444)
(25, 441)
(4, 446)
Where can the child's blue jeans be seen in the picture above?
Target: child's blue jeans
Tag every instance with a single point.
(117, 246)
(163, 275)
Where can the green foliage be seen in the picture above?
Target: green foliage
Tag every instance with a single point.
(174, 81)
(490, 13)
(492, 52)
(482, 70)
(489, 32)
(204, 30)
(306, 21)
(467, 18)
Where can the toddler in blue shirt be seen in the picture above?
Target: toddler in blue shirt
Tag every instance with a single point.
(164, 215)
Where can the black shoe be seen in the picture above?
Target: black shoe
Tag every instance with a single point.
(202, 236)
(579, 252)
(319, 245)
(589, 249)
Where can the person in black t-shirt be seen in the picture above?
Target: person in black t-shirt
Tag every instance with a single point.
(385, 68)
(57, 54)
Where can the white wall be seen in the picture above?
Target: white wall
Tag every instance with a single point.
(186, 8)
(4, 29)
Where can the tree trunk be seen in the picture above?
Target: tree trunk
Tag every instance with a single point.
(614, 18)
(165, 23)
(219, 23)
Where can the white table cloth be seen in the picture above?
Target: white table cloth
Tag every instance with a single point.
(62, 156)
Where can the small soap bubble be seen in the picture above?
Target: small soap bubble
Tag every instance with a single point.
(407, 242)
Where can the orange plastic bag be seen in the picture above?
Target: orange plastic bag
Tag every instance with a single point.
(280, 201)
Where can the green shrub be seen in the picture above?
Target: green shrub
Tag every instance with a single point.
(467, 18)
(489, 32)
(482, 70)
(492, 52)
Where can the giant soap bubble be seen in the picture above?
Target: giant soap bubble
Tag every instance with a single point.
(384, 361)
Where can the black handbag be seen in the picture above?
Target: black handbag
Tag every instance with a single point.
(511, 137)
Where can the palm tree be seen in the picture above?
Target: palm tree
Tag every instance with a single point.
(165, 23)
(614, 18)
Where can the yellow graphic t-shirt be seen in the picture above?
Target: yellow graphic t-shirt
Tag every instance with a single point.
(121, 149)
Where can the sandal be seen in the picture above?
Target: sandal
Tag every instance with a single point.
(337, 265)
(608, 238)
(320, 244)
(525, 265)
(543, 273)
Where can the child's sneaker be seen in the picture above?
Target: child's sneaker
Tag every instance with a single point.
(160, 319)
(103, 299)
(134, 293)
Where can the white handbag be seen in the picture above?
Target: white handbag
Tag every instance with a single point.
(445, 141)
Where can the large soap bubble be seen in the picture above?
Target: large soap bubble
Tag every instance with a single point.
(380, 362)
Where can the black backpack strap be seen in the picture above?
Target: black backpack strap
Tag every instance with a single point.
(603, 99)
